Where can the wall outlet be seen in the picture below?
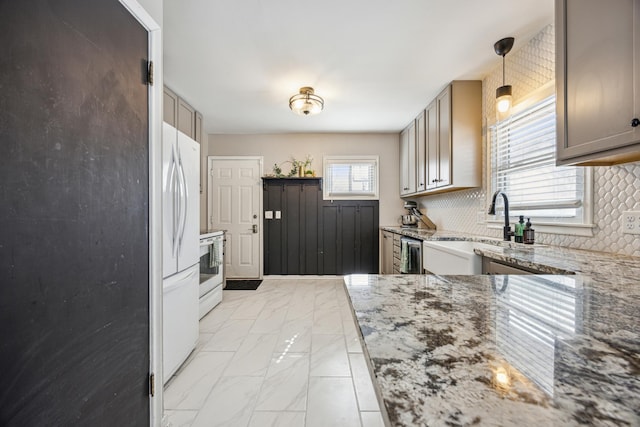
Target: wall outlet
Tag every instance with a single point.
(630, 222)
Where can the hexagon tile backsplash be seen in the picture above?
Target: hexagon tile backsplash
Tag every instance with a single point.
(615, 188)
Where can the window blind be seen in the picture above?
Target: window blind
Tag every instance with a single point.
(350, 178)
(523, 149)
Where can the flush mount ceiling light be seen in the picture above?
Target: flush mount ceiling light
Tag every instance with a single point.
(306, 102)
(503, 93)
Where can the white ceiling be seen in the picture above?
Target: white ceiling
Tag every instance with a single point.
(376, 63)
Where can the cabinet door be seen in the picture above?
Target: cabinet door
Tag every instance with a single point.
(411, 158)
(404, 162)
(186, 119)
(331, 239)
(292, 243)
(273, 231)
(387, 253)
(367, 238)
(431, 116)
(170, 107)
(311, 227)
(597, 76)
(350, 237)
(443, 102)
(421, 152)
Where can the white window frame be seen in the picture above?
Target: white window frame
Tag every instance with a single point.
(333, 159)
(583, 228)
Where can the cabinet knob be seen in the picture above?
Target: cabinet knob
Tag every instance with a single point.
(635, 122)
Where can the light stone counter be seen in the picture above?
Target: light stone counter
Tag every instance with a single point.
(503, 350)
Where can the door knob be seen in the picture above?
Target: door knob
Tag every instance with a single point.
(255, 228)
(635, 122)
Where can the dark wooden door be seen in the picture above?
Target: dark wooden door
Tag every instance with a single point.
(291, 243)
(350, 237)
(74, 201)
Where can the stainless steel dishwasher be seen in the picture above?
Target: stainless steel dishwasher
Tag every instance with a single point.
(410, 256)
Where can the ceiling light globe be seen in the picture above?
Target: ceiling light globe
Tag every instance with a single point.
(503, 98)
(306, 103)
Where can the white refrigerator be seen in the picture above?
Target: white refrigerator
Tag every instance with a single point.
(180, 247)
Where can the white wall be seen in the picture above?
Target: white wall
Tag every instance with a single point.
(153, 8)
(278, 148)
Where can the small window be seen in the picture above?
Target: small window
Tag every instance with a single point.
(523, 156)
(350, 177)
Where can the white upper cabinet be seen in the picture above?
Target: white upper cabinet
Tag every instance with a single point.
(598, 81)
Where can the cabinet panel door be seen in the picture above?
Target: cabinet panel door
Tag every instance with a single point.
(348, 233)
(170, 107)
(292, 217)
(597, 78)
(421, 152)
(330, 239)
(411, 158)
(404, 162)
(444, 138)
(387, 253)
(432, 145)
(186, 119)
(367, 239)
(274, 246)
(311, 226)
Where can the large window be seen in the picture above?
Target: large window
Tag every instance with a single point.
(523, 157)
(350, 177)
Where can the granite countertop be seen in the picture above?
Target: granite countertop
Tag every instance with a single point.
(502, 350)
(543, 258)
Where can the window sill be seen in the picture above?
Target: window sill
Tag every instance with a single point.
(584, 230)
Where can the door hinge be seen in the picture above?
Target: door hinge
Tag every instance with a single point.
(152, 385)
(150, 73)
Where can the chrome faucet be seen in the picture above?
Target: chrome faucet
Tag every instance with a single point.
(507, 233)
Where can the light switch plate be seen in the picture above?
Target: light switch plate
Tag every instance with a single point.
(278, 214)
(630, 222)
(268, 214)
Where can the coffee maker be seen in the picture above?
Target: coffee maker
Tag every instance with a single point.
(414, 215)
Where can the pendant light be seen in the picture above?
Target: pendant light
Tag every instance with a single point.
(306, 102)
(504, 92)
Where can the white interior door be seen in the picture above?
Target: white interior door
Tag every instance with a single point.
(235, 200)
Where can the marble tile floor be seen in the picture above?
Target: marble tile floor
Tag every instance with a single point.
(284, 355)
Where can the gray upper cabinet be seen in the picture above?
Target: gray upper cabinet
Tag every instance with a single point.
(186, 119)
(170, 107)
(408, 160)
(449, 141)
(421, 152)
(179, 114)
(598, 81)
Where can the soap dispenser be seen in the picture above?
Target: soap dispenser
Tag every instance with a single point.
(518, 236)
(528, 234)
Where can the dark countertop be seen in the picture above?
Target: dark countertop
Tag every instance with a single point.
(502, 350)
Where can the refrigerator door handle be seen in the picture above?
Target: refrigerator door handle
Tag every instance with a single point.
(177, 204)
(183, 201)
(172, 184)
